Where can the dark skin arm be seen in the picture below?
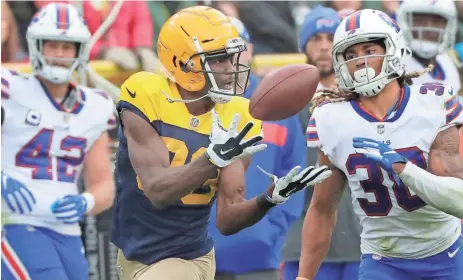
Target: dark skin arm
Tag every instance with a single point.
(320, 220)
(444, 157)
(149, 156)
(234, 212)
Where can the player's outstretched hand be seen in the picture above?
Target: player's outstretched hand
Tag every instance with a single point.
(379, 152)
(16, 195)
(72, 208)
(228, 145)
(295, 181)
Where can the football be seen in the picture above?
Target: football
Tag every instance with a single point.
(284, 92)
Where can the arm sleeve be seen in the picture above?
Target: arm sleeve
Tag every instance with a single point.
(443, 193)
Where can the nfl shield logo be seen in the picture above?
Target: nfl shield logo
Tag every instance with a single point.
(194, 122)
(380, 128)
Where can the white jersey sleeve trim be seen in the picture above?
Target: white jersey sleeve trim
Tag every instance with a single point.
(453, 109)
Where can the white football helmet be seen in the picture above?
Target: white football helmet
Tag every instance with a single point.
(367, 26)
(443, 8)
(59, 22)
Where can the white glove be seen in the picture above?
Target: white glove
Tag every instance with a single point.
(228, 145)
(294, 181)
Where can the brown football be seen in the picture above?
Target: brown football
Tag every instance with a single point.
(284, 92)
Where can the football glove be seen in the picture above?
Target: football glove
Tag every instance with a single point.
(228, 145)
(294, 181)
(16, 195)
(72, 208)
(381, 153)
(378, 151)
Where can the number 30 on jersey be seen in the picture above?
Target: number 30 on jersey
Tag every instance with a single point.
(375, 184)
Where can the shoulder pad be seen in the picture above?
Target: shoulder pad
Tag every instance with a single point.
(9, 78)
(140, 94)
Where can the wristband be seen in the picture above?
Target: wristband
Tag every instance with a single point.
(90, 199)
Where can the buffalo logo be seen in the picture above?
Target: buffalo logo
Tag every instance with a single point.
(325, 22)
(390, 22)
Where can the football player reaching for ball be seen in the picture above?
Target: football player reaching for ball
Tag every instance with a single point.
(402, 165)
(185, 140)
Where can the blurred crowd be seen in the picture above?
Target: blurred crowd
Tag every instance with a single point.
(131, 40)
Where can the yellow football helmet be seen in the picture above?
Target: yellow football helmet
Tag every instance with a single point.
(189, 39)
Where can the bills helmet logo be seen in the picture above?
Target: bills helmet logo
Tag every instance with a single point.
(392, 23)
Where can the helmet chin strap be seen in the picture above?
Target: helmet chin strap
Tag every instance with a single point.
(172, 100)
(209, 94)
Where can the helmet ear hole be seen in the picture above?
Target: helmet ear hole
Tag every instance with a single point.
(174, 61)
(184, 67)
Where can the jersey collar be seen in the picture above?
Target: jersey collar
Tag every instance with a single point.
(393, 115)
(78, 104)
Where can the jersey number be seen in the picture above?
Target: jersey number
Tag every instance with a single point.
(205, 193)
(36, 155)
(374, 184)
(437, 87)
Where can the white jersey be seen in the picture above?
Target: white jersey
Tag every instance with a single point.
(396, 222)
(445, 71)
(44, 145)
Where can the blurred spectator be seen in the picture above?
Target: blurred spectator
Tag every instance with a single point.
(343, 259)
(356, 5)
(345, 13)
(23, 11)
(227, 7)
(271, 25)
(161, 11)
(129, 40)
(11, 47)
(255, 252)
(316, 41)
(390, 6)
(339, 5)
(131, 34)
